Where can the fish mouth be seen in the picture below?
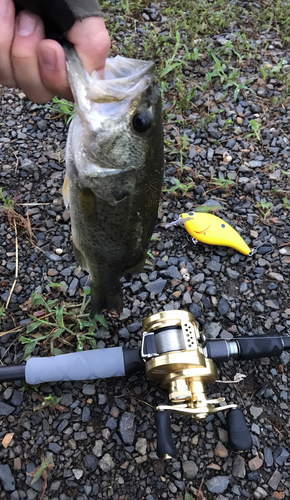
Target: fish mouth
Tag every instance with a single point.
(123, 78)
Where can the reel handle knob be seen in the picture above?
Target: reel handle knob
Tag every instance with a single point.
(165, 444)
(240, 438)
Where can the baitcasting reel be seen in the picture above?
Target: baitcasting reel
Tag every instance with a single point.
(173, 350)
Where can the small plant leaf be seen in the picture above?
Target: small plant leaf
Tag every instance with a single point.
(39, 470)
(33, 326)
(100, 318)
(207, 209)
(29, 349)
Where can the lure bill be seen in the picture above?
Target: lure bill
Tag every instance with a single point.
(212, 230)
(114, 171)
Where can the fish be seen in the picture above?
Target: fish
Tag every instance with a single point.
(213, 230)
(114, 171)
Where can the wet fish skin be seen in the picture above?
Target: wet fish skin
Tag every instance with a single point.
(115, 176)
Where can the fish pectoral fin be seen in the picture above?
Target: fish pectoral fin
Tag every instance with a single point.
(88, 201)
(80, 258)
(101, 300)
(65, 191)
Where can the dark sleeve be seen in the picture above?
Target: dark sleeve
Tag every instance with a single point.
(59, 15)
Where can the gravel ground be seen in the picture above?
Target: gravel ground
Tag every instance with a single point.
(102, 441)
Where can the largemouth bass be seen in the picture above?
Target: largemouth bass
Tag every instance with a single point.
(114, 171)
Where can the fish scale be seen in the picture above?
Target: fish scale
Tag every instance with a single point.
(114, 172)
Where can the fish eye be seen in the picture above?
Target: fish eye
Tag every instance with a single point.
(141, 121)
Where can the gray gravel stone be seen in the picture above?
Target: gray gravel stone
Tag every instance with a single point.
(255, 411)
(6, 478)
(106, 463)
(223, 306)
(217, 484)
(212, 330)
(89, 389)
(190, 469)
(280, 455)
(90, 462)
(232, 274)
(275, 480)
(66, 399)
(239, 468)
(17, 398)
(127, 427)
(6, 409)
(141, 446)
(214, 266)
(260, 493)
(173, 272)
(98, 448)
(54, 447)
(156, 286)
(268, 456)
(258, 307)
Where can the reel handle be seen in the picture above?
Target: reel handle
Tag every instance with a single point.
(240, 438)
(165, 444)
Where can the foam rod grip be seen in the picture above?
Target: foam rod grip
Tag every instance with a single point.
(240, 438)
(86, 365)
(165, 444)
(260, 347)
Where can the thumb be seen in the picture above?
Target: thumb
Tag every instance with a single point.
(91, 41)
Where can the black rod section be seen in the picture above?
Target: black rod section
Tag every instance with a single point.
(133, 361)
(10, 373)
(240, 438)
(247, 348)
(165, 444)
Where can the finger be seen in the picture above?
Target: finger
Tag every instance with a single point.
(7, 19)
(92, 42)
(52, 68)
(29, 31)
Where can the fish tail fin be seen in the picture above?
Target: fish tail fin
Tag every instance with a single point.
(101, 300)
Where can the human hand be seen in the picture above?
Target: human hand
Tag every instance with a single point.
(37, 65)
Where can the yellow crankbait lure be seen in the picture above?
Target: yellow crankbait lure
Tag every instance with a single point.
(212, 230)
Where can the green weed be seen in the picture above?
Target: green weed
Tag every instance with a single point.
(51, 400)
(55, 325)
(265, 208)
(7, 201)
(209, 208)
(287, 174)
(184, 188)
(228, 80)
(2, 314)
(223, 183)
(269, 71)
(42, 471)
(286, 203)
(256, 128)
(64, 108)
(218, 71)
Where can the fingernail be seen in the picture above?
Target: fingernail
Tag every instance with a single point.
(48, 58)
(3, 7)
(26, 24)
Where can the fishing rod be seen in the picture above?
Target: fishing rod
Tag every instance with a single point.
(174, 353)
